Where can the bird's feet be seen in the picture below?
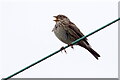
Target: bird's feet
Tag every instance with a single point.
(71, 46)
(62, 48)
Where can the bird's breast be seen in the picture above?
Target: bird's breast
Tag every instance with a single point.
(61, 34)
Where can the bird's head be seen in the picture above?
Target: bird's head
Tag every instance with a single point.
(60, 18)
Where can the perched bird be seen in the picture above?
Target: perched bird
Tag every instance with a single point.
(67, 32)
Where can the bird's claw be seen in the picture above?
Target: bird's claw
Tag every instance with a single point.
(62, 48)
(71, 46)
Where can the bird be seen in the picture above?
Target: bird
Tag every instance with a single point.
(67, 32)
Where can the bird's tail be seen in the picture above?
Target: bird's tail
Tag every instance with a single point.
(93, 52)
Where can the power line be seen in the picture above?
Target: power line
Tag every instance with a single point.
(60, 50)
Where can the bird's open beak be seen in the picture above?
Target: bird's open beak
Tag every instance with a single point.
(56, 19)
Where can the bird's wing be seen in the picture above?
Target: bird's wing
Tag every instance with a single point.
(75, 32)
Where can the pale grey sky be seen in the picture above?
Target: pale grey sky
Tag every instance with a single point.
(26, 37)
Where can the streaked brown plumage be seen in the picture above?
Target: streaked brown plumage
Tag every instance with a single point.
(67, 32)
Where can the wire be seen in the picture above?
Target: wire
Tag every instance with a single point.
(60, 50)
